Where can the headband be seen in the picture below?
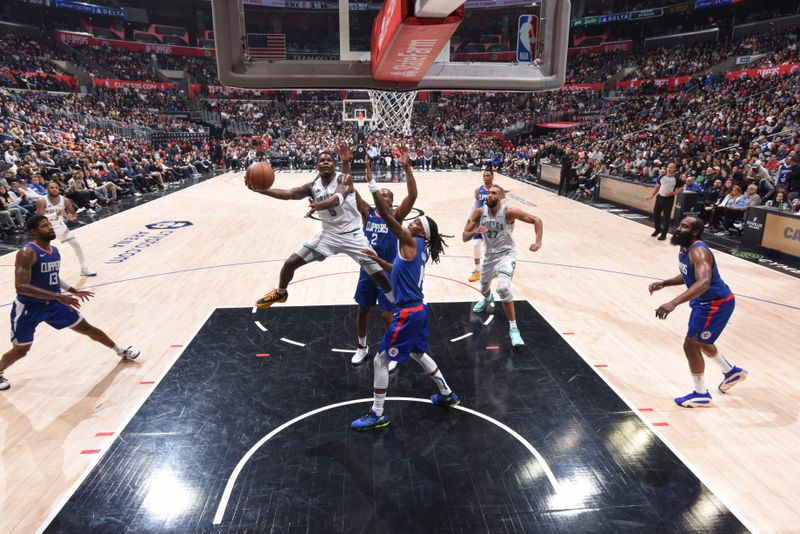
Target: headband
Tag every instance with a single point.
(426, 225)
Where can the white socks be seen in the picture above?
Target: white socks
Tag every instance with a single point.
(119, 350)
(512, 324)
(362, 342)
(78, 252)
(377, 403)
(723, 363)
(699, 383)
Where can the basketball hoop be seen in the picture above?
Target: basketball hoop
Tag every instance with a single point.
(391, 110)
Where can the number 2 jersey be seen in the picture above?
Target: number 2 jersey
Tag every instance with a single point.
(44, 273)
(382, 241)
(342, 219)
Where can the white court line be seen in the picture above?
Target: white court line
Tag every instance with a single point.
(64, 498)
(649, 425)
(348, 351)
(261, 326)
(459, 338)
(254, 309)
(285, 340)
(226, 495)
(489, 320)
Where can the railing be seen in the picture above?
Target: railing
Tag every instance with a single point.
(119, 129)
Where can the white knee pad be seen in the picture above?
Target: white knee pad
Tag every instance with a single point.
(504, 288)
(425, 361)
(380, 371)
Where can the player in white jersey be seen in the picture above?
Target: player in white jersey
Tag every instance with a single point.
(495, 222)
(58, 210)
(333, 199)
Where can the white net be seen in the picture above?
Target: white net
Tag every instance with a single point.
(391, 110)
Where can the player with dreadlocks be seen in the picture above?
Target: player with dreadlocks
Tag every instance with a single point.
(408, 334)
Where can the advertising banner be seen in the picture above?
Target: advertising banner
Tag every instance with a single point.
(85, 39)
(131, 84)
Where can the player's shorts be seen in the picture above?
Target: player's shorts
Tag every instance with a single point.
(326, 244)
(500, 264)
(477, 237)
(63, 233)
(407, 334)
(26, 317)
(369, 294)
(708, 319)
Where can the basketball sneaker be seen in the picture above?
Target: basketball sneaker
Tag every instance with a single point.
(271, 298)
(370, 421)
(392, 365)
(85, 271)
(475, 276)
(130, 354)
(737, 375)
(516, 338)
(445, 400)
(360, 355)
(481, 306)
(4, 384)
(695, 400)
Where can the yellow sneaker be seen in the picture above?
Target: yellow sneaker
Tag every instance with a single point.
(271, 298)
(475, 276)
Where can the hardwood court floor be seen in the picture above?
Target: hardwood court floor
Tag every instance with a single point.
(156, 287)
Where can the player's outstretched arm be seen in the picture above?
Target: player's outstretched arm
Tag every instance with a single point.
(363, 208)
(472, 227)
(346, 153)
(411, 185)
(295, 193)
(516, 214)
(23, 265)
(674, 281)
(344, 188)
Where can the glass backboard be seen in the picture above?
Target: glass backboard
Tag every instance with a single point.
(512, 45)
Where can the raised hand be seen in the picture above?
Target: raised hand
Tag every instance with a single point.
(404, 158)
(345, 152)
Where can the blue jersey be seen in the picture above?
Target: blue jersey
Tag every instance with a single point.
(382, 241)
(407, 277)
(44, 273)
(483, 195)
(718, 290)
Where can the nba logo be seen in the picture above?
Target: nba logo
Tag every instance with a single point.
(527, 36)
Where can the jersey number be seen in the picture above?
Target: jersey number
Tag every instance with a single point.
(332, 212)
(53, 279)
(374, 240)
(491, 234)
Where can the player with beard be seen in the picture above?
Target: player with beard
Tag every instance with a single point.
(495, 222)
(712, 304)
(40, 300)
(333, 198)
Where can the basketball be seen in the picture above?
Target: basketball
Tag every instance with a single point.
(259, 176)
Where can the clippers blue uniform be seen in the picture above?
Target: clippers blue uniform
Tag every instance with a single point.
(409, 329)
(711, 310)
(384, 243)
(483, 196)
(27, 312)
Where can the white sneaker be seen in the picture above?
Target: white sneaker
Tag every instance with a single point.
(392, 365)
(90, 211)
(80, 210)
(85, 271)
(360, 355)
(130, 353)
(137, 194)
(93, 202)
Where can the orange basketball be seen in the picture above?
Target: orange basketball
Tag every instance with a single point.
(259, 176)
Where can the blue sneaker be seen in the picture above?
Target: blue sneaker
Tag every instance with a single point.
(481, 306)
(445, 400)
(370, 421)
(695, 400)
(737, 375)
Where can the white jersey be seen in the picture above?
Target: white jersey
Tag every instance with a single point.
(55, 212)
(344, 217)
(497, 238)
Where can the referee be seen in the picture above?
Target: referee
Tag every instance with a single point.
(668, 187)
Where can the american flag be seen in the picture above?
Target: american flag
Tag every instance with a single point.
(266, 45)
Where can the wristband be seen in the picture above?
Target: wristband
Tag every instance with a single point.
(341, 198)
(373, 186)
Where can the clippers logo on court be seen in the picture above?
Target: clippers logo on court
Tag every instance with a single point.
(139, 241)
(705, 335)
